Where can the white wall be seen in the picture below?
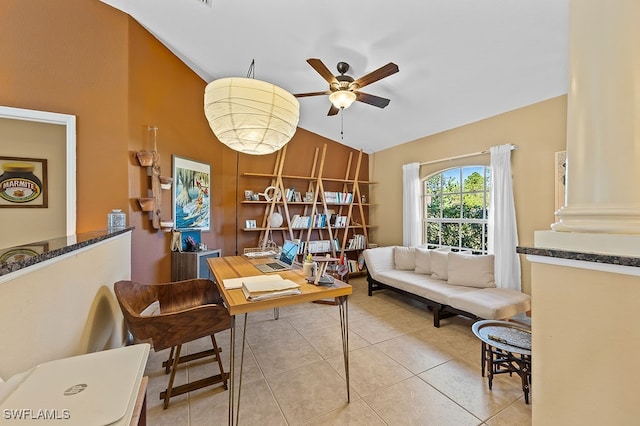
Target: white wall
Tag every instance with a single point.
(63, 307)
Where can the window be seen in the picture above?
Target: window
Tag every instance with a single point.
(454, 213)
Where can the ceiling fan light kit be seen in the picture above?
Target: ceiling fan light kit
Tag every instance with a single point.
(249, 115)
(342, 99)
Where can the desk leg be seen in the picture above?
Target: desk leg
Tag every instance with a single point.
(232, 367)
(343, 306)
(234, 414)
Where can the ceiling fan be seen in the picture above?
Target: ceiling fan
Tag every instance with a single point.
(344, 89)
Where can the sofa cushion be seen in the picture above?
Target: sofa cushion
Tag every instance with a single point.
(423, 261)
(404, 258)
(439, 262)
(491, 303)
(423, 285)
(470, 270)
(378, 259)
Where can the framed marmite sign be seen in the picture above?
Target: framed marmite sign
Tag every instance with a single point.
(23, 182)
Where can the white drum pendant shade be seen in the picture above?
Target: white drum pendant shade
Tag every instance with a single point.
(249, 115)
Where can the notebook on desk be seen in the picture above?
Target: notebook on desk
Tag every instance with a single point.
(284, 262)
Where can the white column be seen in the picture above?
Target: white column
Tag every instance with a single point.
(603, 119)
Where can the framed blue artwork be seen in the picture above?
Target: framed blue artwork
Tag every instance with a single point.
(191, 194)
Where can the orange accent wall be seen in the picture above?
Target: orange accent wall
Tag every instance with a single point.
(85, 58)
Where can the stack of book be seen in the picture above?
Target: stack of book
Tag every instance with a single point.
(331, 197)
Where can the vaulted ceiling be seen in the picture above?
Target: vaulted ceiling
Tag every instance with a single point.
(460, 60)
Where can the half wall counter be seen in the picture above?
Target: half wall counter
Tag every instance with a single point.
(57, 300)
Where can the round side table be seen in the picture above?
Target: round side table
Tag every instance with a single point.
(506, 348)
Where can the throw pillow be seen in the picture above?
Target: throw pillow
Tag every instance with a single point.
(423, 261)
(404, 257)
(471, 270)
(439, 264)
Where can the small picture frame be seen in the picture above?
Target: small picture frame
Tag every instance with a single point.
(308, 197)
(296, 197)
(248, 195)
(250, 224)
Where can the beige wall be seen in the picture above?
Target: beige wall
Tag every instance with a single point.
(539, 130)
(587, 335)
(21, 138)
(63, 307)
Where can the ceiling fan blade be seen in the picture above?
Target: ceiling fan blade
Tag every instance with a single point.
(372, 99)
(304, 95)
(322, 69)
(333, 110)
(373, 76)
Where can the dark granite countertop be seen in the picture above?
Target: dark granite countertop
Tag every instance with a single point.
(575, 255)
(13, 259)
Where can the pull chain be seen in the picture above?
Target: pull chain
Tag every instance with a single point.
(252, 67)
(342, 123)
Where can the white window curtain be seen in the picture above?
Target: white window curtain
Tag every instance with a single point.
(411, 229)
(503, 235)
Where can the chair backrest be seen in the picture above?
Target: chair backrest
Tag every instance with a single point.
(189, 310)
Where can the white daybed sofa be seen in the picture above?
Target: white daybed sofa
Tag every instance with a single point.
(449, 283)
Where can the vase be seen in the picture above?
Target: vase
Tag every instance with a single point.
(146, 204)
(145, 158)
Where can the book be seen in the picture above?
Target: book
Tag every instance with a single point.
(266, 289)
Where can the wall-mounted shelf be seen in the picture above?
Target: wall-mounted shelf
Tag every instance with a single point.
(153, 203)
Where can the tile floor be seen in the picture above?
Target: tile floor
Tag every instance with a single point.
(403, 371)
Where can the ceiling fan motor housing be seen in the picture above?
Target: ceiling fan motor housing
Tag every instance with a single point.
(343, 67)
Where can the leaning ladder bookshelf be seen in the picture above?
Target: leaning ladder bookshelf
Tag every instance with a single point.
(319, 210)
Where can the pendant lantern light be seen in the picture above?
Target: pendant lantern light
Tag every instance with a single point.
(249, 115)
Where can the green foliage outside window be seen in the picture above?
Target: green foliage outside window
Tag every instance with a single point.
(455, 208)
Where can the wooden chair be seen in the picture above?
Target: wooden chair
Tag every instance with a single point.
(188, 310)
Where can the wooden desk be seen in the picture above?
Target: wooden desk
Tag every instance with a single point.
(239, 266)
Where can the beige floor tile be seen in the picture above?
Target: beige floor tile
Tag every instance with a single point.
(354, 313)
(375, 329)
(517, 414)
(203, 367)
(408, 321)
(356, 413)
(267, 331)
(414, 402)
(462, 383)
(309, 391)
(313, 320)
(328, 341)
(257, 407)
(450, 339)
(301, 308)
(378, 306)
(176, 415)
(370, 370)
(285, 354)
(414, 352)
